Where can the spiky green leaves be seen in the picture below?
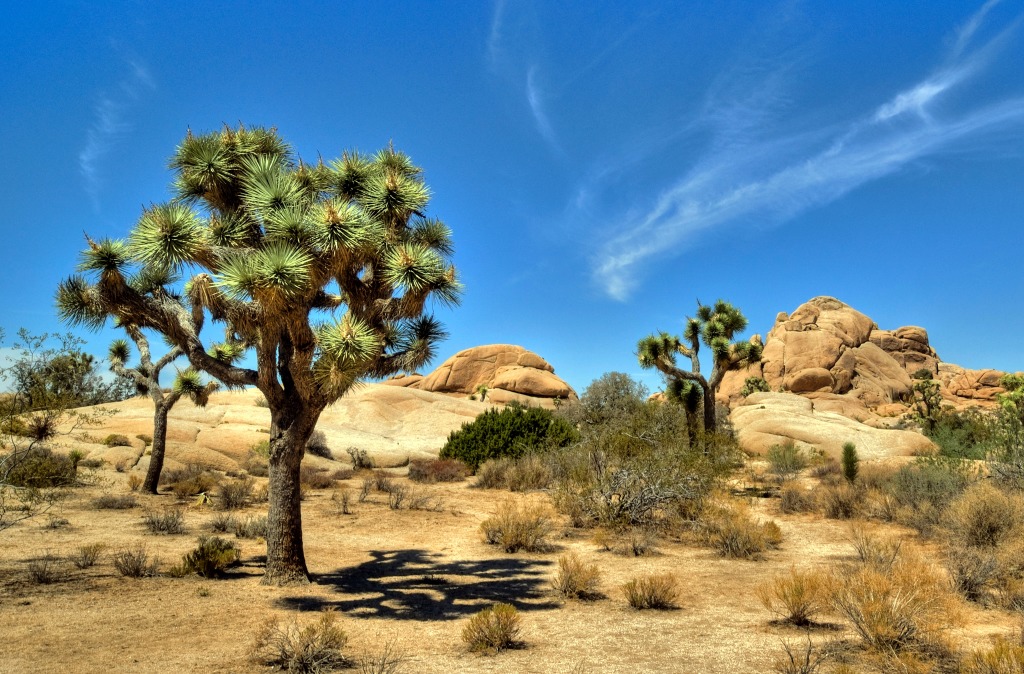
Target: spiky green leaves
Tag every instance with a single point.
(227, 352)
(655, 349)
(203, 165)
(108, 255)
(338, 225)
(267, 186)
(79, 303)
(168, 236)
(351, 174)
(280, 269)
(119, 352)
(413, 268)
(189, 382)
(433, 234)
(394, 197)
(347, 348)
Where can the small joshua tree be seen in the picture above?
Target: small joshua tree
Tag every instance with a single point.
(715, 327)
(851, 462)
(146, 376)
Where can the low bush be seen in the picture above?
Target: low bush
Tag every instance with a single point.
(786, 460)
(841, 501)
(87, 555)
(168, 521)
(796, 597)
(146, 439)
(734, 533)
(923, 489)
(512, 431)
(525, 473)
(40, 468)
(984, 516)
(251, 527)
(360, 459)
(210, 559)
(317, 445)
(974, 572)
(235, 494)
(430, 471)
(311, 649)
(256, 464)
(659, 591)
(116, 440)
(387, 659)
(515, 528)
(47, 569)
(1005, 657)
(134, 562)
(493, 629)
(796, 499)
(876, 552)
(575, 578)
(189, 481)
(135, 481)
(223, 523)
(315, 478)
(115, 502)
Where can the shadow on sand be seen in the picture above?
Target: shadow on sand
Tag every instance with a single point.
(420, 585)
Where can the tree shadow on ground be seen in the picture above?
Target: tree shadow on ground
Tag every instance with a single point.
(421, 585)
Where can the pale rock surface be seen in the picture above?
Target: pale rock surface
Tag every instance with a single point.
(499, 367)
(766, 419)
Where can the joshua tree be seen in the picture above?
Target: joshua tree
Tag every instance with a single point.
(146, 376)
(715, 326)
(322, 270)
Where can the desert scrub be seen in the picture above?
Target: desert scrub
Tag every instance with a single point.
(169, 521)
(786, 460)
(116, 440)
(316, 478)
(984, 516)
(796, 499)
(134, 562)
(493, 629)
(734, 533)
(429, 471)
(87, 555)
(512, 431)
(210, 559)
(114, 502)
(575, 579)
(1005, 657)
(387, 659)
(523, 527)
(841, 501)
(46, 569)
(660, 591)
(251, 527)
(235, 494)
(796, 597)
(524, 473)
(317, 445)
(310, 649)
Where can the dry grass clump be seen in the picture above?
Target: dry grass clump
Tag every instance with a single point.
(315, 478)
(189, 481)
(734, 533)
(429, 471)
(387, 659)
(114, 502)
(841, 500)
(251, 527)
(210, 559)
(796, 499)
(786, 460)
(635, 542)
(494, 629)
(168, 521)
(872, 550)
(46, 569)
(518, 527)
(984, 516)
(116, 440)
(804, 660)
(659, 591)
(575, 578)
(87, 555)
(134, 562)
(311, 649)
(1005, 657)
(525, 473)
(235, 494)
(796, 597)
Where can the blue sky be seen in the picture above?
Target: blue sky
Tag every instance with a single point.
(603, 164)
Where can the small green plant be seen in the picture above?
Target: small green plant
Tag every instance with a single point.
(512, 431)
(493, 629)
(87, 555)
(752, 385)
(210, 559)
(850, 462)
(575, 578)
(116, 440)
(659, 591)
(310, 649)
(517, 528)
(133, 562)
(169, 521)
(786, 460)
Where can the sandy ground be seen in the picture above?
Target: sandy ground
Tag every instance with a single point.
(408, 577)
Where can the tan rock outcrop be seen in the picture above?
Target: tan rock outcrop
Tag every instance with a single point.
(499, 367)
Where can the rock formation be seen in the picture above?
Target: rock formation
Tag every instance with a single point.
(509, 372)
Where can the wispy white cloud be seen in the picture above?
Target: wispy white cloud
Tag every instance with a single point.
(741, 179)
(109, 124)
(535, 97)
(495, 36)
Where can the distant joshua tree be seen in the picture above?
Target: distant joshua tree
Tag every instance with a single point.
(715, 327)
(146, 376)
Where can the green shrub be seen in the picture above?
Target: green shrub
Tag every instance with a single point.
(512, 431)
(786, 460)
(493, 629)
(39, 468)
(752, 385)
(302, 650)
(850, 462)
(652, 592)
(970, 434)
(210, 559)
(923, 489)
(116, 440)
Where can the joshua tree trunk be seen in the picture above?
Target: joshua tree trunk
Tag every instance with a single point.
(286, 561)
(156, 456)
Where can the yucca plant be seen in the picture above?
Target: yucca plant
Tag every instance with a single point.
(323, 270)
(715, 326)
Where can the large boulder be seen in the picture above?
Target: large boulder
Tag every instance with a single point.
(501, 368)
(766, 419)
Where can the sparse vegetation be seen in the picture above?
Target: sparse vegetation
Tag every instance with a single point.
(46, 569)
(167, 521)
(786, 460)
(87, 555)
(575, 579)
(134, 562)
(660, 591)
(210, 559)
(734, 533)
(494, 629)
(430, 471)
(518, 527)
(309, 649)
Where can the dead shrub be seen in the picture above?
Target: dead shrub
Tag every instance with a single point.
(317, 445)
(827, 468)
(984, 516)
(342, 474)
(429, 471)
(311, 649)
(493, 629)
(795, 499)
(397, 496)
(734, 533)
(360, 459)
(660, 591)
(387, 659)
(796, 597)
(251, 527)
(112, 502)
(880, 553)
(135, 481)
(575, 578)
(841, 501)
(365, 488)
(804, 660)
(342, 501)
(974, 572)
(47, 569)
(168, 521)
(1005, 657)
(515, 528)
(189, 481)
(382, 481)
(235, 494)
(315, 478)
(87, 555)
(134, 562)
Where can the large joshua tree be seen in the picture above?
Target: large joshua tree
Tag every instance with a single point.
(146, 376)
(323, 270)
(715, 327)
